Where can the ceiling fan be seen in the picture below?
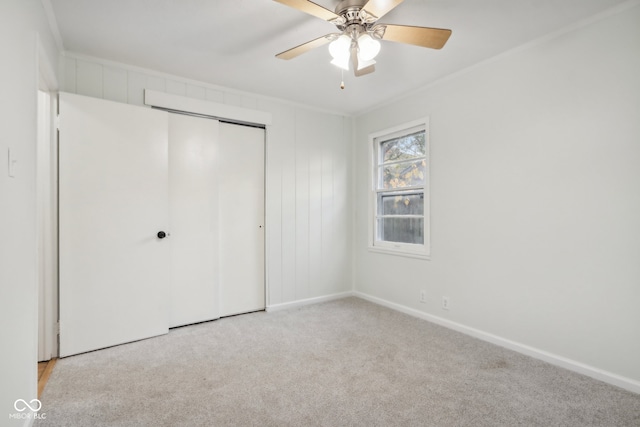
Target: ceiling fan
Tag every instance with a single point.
(357, 43)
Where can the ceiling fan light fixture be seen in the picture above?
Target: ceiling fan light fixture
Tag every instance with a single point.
(368, 47)
(360, 33)
(341, 63)
(362, 64)
(340, 47)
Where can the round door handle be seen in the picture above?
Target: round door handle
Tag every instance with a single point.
(161, 234)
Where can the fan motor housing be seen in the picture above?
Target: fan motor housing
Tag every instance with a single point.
(350, 10)
(345, 5)
(353, 20)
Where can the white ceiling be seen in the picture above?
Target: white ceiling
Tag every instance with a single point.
(233, 43)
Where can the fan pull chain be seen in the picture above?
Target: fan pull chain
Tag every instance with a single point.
(342, 76)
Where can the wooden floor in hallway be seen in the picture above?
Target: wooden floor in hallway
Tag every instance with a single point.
(44, 371)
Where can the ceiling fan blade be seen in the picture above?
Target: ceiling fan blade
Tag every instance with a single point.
(310, 8)
(305, 47)
(355, 63)
(378, 8)
(434, 38)
(354, 57)
(366, 70)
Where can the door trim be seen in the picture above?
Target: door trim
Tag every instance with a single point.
(47, 208)
(176, 103)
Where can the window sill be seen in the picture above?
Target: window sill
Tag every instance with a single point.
(399, 252)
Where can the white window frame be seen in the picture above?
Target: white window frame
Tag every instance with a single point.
(422, 251)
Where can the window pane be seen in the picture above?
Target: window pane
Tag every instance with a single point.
(405, 203)
(400, 175)
(404, 148)
(401, 230)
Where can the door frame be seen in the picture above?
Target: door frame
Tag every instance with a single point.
(46, 208)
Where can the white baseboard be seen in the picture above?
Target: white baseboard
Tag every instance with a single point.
(563, 362)
(308, 301)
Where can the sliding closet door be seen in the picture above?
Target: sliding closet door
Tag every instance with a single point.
(113, 201)
(193, 295)
(240, 168)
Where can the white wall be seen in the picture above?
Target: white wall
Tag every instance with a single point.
(308, 184)
(23, 26)
(535, 183)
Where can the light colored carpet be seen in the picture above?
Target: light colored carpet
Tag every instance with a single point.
(342, 363)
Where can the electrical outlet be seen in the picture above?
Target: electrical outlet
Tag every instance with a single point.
(445, 303)
(423, 296)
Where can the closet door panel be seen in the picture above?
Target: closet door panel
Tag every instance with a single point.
(240, 167)
(193, 217)
(113, 201)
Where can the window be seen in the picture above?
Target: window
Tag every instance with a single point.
(400, 208)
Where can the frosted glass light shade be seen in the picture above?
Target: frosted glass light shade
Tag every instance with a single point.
(339, 48)
(368, 47)
(364, 64)
(341, 63)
